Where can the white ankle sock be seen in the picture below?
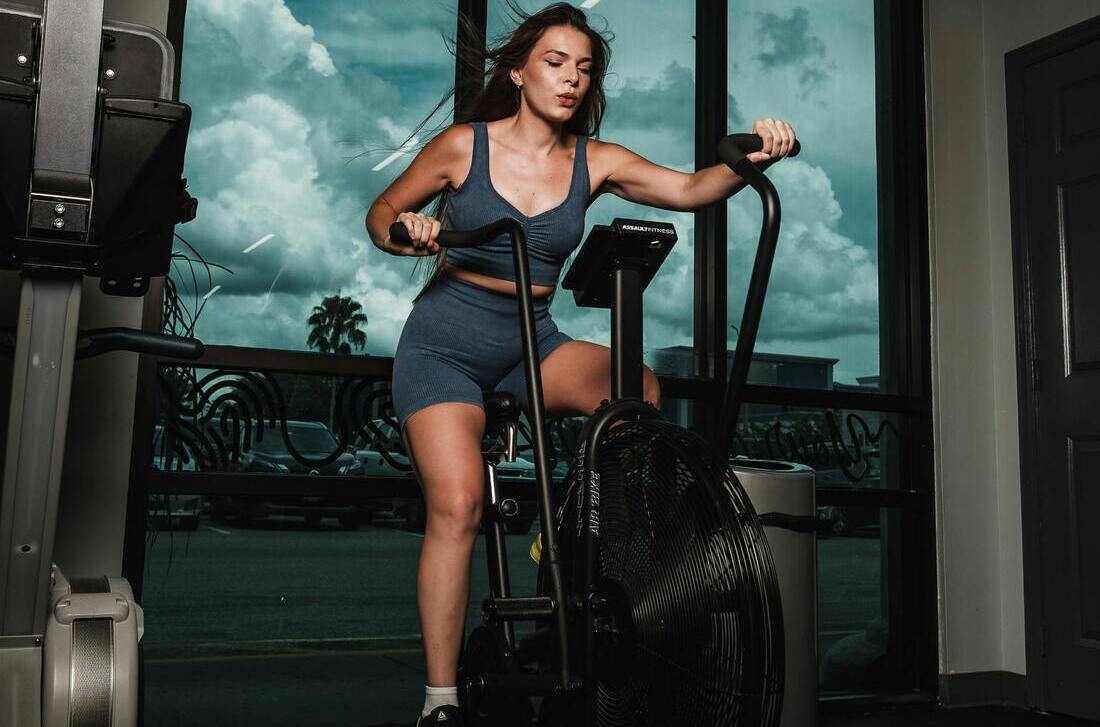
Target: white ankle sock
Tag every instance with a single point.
(437, 697)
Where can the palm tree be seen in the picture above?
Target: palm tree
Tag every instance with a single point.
(335, 329)
(336, 325)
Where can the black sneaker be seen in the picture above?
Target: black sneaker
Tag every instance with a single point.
(448, 714)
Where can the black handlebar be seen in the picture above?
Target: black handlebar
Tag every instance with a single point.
(103, 340)
(732, 151)
(734, 147)
(461, 238)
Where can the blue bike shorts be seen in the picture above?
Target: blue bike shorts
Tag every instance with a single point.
(460, 340)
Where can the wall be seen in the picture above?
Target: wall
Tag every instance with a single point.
(973, 329)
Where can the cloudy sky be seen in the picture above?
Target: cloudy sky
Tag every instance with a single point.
(296, 103)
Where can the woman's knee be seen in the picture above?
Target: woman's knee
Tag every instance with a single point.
(457, 513)
(444, 443)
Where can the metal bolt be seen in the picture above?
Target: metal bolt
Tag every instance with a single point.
(110, 74)
(59, 208)
(22, 59)
(58, 222)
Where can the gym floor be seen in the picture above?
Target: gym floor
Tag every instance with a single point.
(930, 716)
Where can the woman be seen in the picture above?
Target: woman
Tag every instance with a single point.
(526, 154)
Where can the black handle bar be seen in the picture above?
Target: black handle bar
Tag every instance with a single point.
(102, 340)
(735, 147)
(732, 151)
(540, 439)
(463, 238)
(470, 238)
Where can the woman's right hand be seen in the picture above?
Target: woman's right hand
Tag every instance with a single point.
(423, 230)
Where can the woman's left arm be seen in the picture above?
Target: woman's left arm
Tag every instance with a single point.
(637, 179)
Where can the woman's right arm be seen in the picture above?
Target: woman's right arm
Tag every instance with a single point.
(432, 169)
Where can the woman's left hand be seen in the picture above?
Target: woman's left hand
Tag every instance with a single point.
(778, 139)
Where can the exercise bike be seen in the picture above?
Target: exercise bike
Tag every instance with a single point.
(91, 153)
(657, 602)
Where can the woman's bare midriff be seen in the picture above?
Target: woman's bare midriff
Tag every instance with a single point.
(494, 284)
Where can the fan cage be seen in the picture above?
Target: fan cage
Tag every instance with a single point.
(688, 579)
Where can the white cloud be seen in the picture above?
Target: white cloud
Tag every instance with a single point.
(395, 132)
(267, 34)
(823, 284)
(259, 176)
(319, 59)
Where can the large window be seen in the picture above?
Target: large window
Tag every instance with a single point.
(812, 63)
(300, 112)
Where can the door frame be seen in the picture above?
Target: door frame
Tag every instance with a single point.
(1016, 65)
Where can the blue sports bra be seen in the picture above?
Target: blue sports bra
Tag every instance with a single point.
(551, 235)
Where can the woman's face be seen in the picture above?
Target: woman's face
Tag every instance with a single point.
(555, 78)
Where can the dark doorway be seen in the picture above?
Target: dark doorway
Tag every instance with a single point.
(1053, 88)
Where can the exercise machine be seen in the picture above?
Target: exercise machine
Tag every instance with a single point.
(91, 157)
(657, 600)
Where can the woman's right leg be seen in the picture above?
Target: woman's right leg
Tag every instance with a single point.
(444, 445)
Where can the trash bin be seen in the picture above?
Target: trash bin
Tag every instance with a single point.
(782, 493)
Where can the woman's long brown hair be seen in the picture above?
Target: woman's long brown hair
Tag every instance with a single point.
(500, 98)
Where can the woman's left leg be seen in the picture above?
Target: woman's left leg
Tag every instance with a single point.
(576, 377)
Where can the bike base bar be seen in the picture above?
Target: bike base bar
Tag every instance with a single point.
(518, 609)
(530, 684)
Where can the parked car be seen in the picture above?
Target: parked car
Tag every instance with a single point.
(172, 511)
(372, 462)
(312, 441)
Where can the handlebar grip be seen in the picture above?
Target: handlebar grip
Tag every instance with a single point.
(191, 349)
(464, 238)
(399, 233)
(735, 147)
(103, 340)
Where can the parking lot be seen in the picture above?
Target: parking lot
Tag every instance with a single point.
(318, 625)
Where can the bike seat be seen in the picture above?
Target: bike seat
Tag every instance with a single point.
(501, 408)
